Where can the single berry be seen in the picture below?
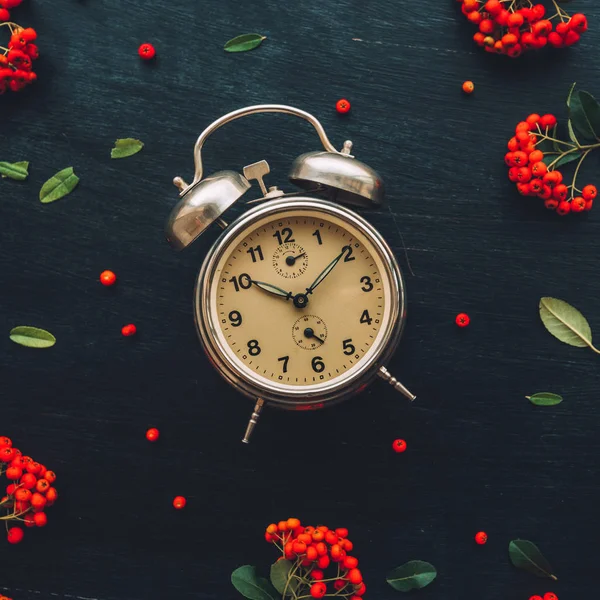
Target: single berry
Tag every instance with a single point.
(129, 330)
(179, 502)
(481, 537)
(589, 204)
(563, 208)
(462, 319)
(108, 278)
(550, 596)
(536, 597)
(292, 523)
(551, 203)
(589, 192)
(318, 590)
(468, 87)
(399, 446)
(578, 204)
(317, 574)
(40, 519)
(355, 576)
(15, 535)
(342, 106)
(153, 434)
(147, 51)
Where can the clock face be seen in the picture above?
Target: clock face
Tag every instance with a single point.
(300, 299)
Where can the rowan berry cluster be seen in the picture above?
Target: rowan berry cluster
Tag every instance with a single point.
(29, 493)
(321, 563)
(512, 27)
(16, 61)
(5, 5)
(535, 173)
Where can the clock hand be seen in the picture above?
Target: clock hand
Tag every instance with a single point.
(272, 289)
(309, 333)
(290, 260)
(327, 270)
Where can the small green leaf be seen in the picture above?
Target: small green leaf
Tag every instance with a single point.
(280, 577)
(251, 586)
(572, 135)
(566, 323)
(545, 399)
(126, 147)
(563, 160)
(32, 337)
(61, 184)
(243, 43)
(18, 171)
(413, 575)
(527, 556)
(592, 111)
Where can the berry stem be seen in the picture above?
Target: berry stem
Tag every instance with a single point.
(575, 179)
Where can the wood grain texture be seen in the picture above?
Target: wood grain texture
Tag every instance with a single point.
(480, 456)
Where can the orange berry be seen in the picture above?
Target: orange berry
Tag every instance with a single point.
(293, 523)
(272, 528)
(468, 87)
(179, 502)
(355, 576)
(108, 278)
(282, 526)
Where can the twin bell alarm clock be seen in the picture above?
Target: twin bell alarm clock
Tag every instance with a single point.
(300, 302)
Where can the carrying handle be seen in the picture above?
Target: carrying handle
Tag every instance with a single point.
(251, 110)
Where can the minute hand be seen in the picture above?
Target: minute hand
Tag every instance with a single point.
(327, 270)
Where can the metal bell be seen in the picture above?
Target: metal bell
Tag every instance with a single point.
(345, 179)
(201, 205)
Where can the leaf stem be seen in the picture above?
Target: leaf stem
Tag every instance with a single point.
(573, 188)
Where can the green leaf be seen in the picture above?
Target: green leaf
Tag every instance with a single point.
(243, 43)
(579, 104)
(32, 337)
(280, 575)
(572, 135)
(61, 184)
(526, 555)
(563, 160)
(413, 575)
(566, 323)
(591, 109)
(18, 171)
(250, 585)
(545, 399)
(126, 147)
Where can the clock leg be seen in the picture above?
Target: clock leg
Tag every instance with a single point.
(253, 420)
(387, 376)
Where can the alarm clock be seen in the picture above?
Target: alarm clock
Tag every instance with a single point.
(300, 302)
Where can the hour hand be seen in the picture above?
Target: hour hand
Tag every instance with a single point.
(272, 289)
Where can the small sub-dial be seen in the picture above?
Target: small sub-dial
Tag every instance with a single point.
(290, 260)
(309, 332)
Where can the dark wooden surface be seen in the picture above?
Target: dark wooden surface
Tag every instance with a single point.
(480, 456)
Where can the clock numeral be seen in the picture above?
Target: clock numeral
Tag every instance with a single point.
(365, 318)
(284, 236)
(348, 256)
(243, 281)
(317, 364)
(284, 359)
(235, 318)
(253, 348)
(317, 234)
(348, 347)
(254, 252)
(368, 285)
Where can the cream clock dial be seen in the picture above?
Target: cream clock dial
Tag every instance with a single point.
(300, 299)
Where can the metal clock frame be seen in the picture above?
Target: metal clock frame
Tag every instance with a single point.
(329, 392)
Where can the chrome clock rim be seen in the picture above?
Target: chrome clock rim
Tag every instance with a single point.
(328, 392)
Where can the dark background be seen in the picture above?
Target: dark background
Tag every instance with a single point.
(479, 457)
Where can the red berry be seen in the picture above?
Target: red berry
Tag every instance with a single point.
(578, 23)
(40, 519)
(589, 204)
(572, 37)
(524, 175)
(51, 496)
(339, 584)
(462, 319)
(108, 278)
(577, 204)
(23, 495)
(493, 7)
(342, 106)
(361, 590)
(536, 598)
(551, 203)
(5, 442)
(147, 51)
(50, 476)
(299, 547)
(589, 192)
(536, 156)
(28, 481)
(317, 574)
(129, 330)
(15, 535)
(153, 434)
(323, 562)
(350, 562)
(399, 446)
(179, 502)
(532, 119)
(564, 208)
(481, 537)
(486, 26)
(560, 191)
(555, 39)
(550, 596)
(468, 87)
(14, 473)
(38, 501)
(355, 576)
(547, 120)
(318, 590)
(4, 15)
